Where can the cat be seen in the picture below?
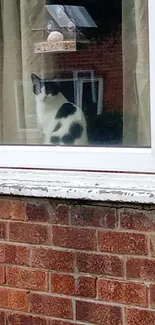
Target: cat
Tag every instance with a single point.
(62, 122)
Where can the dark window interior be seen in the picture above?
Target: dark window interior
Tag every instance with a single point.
(106, 128)
(107, 15)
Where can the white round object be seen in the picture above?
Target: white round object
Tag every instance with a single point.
(55, 36)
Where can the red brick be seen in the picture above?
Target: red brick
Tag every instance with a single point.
(60, 214)
(104, 217)
(99, 264)
(98, 313)
(85, 287)
(2, 274)
(2, 253)
(122, 243)
(152, 295)
(79, 286)
(38, 211)
(74, 238)
(152, 245)
(21, 319)
(26, 278)
(135, 219)
(13, 299)
(15, 254)
(53, 259)
(59, 322)
(2, 318)
(51, 306)
(143, 269)
(122, 292)
(29, 233)
(3, 230)
(62, 284)
(12, 209)
(139, 317)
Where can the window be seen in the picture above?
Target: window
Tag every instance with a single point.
(77, 85)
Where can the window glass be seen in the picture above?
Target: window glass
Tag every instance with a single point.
(74, 73)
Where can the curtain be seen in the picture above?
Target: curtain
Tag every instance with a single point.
(136, 106)
(12, 69)
(17, 106)
(1, 81)
(142, 72)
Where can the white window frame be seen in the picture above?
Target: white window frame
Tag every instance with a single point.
(84, 161)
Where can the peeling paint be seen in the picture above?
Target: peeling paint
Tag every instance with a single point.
(78, 185)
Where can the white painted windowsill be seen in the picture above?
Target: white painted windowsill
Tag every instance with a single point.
(97, 186)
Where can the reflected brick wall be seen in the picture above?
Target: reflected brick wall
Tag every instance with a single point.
(64, 263)
(106, 61)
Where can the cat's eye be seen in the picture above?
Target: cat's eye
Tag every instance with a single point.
(102, 56)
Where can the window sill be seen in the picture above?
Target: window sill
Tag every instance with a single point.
(96, 186)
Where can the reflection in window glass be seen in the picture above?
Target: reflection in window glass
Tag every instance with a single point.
(74, 73)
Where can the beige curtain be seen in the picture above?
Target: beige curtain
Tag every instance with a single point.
(29, 11)
(12, 69)
(17, 106)
(142, 72)
(136, 108)
(1, 82)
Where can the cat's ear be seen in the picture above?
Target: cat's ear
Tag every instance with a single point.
(35, 79)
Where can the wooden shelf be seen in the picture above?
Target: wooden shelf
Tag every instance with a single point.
(50, 46)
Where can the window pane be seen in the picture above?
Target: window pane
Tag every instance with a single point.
(74, 73)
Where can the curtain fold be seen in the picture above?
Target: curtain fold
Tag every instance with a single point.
(136, 102)
(129, 47)
(142, 72)
(12, 70)
(1, 78)
(29, 11)
(17, 108)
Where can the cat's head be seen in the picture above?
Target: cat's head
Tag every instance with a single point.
(44, 89)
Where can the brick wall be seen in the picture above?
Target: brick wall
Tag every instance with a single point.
(66, 263)
(106, 61)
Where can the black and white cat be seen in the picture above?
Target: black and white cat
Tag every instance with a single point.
(62, 122)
